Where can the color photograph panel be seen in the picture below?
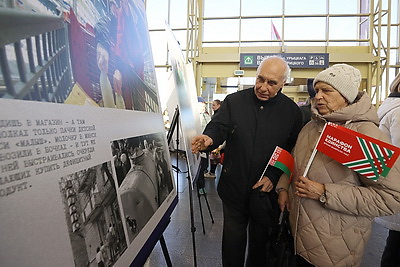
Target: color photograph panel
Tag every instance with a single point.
(87, 53)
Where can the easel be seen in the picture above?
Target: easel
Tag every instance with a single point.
(200, 188)
(175, 123)
(156, 236)
(199, 184)
(165, 251)
(201, 191)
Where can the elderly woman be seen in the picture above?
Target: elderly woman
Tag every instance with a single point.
(331, 210)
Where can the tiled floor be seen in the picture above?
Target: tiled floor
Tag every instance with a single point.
(179, 236)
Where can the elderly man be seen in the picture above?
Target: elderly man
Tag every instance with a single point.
(253, 122)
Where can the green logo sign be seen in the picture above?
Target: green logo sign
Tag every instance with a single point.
(248, 60)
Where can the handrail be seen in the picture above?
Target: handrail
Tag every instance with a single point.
(34, 56)
(18, 24)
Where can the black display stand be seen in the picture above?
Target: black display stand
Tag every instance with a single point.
(201, 191)
(156, 236)
(175, 124)
(165, 251)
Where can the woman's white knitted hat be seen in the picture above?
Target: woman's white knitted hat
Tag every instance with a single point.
(344, 78)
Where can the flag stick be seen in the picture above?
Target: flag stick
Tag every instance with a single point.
(309, 162)
(313, 154)
(262, 174)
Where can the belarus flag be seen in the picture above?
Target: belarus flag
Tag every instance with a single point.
(366, 155)
(282, 160)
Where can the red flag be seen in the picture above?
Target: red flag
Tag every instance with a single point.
(282, 160)
(366, 155)
(274, 33)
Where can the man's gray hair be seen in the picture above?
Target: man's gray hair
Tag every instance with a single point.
(286, 74)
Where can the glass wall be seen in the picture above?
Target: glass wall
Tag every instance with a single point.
(249, 23)
(244, 23)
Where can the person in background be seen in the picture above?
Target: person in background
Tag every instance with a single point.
(331, 210)
(205, 118)
(306, 108)
(253, 122)
(215, 155)
(389, 123)
(216, 104)
(104, 52)
(111, 241)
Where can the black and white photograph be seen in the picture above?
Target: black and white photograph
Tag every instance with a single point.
(93, 216)
(143, 176)
(67, 187)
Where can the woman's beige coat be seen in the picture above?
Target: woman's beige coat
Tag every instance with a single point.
(335, 233)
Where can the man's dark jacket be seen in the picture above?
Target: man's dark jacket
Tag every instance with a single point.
(252, 129)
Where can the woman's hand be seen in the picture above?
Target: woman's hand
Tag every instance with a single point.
(283, 200)
(309, 189)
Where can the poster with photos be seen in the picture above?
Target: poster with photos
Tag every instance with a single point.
(82, 137)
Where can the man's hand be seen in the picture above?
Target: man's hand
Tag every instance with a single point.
(201, 142)
(266, 184)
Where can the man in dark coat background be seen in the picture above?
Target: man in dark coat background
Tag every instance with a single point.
(306, 108)
(253, 122)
